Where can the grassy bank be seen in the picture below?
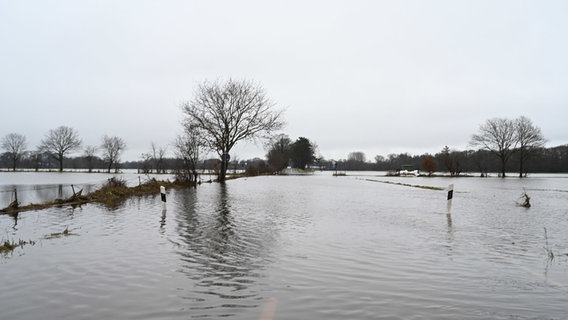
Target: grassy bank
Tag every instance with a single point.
(113, 193)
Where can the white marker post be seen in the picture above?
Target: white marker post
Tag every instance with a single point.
(450, 196)
(163, 194)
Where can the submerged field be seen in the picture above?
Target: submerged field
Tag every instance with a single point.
(361, 246)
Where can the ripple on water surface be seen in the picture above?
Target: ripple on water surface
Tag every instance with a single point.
(321, 247)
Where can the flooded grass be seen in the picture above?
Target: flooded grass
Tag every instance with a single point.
(407, 185)
(64, 233)
(112, 194)
(8, 246)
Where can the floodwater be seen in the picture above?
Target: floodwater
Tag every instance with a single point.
(298, 247)
(41, 187)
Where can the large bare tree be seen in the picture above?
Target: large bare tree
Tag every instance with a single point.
(529, 139)
(60, 141)
(15, 145)
(229, 112)
(497, 135)
(111, 148)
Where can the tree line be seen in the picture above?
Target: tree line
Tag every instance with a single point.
(224, 113)
(504, 145)
(55, 148)
(456, 162)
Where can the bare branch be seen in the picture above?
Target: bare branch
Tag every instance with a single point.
(232, 111)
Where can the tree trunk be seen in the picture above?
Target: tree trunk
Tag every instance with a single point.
(223, 171)
(521, 164)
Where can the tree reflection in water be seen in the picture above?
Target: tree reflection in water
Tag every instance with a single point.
(222, 250)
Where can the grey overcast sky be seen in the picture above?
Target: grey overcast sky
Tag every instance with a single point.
(379, 77)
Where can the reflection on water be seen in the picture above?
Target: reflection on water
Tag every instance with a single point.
(220, 252)
(39, 187)
(317, 247)
(40, 193)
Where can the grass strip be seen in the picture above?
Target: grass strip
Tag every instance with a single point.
(407, 185)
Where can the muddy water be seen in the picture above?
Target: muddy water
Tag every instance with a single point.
(310, 247)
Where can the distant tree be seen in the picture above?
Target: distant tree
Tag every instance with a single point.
(90, 154)
(112, 147)
(155, 158)
(356, 161)
(381, 163)
(451, 160)
(445, 158)
(396, 161)
(188, 147)
(256, 167)
(36, 158)
(428, 164)
(230, 112)
(60, 141)
(146, 165)
(554, 159)
(235, 162)
(15, 146)
(320, 162)
(529, 141)
(302, 153)
(356, 156)
(480, 161)
(498, 136)
(278, 156)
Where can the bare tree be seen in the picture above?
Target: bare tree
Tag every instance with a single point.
(60, 141)
(529, 139)
(235, 163)
(187, 147)
(451, 160)
(112, 147)
(157, 156)
(89, 154)
(356, 156)
(498, 136)
(379, 159)
(229, 112)
(36, 158)
(15, 145)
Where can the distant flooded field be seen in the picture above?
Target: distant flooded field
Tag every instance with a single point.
(361, 246)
